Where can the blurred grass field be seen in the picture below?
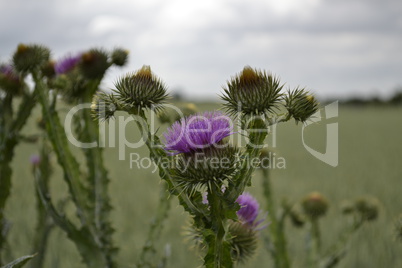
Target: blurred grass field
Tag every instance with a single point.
(370, 153)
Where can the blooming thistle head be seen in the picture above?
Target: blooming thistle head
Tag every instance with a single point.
(249, 209)
(67, 64)
(245, 232)
(28, 58)
(300, 104)
(203, 156)
(197, 132)
(252, 92)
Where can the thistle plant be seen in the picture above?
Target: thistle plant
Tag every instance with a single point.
(202, 159)
(197, 159)
(77, 79)
(13, 91)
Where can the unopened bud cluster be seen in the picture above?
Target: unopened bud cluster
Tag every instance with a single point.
(255, 92)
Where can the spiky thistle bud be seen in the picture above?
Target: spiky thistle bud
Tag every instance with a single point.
(315, 205)
(119, 56)
(140, 90)
(103, 106)
(368, 208)
(252, 92)
(300, 104)
(244, 242)
(94, 63)
(28, 58)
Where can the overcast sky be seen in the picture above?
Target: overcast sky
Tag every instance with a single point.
(334, 48)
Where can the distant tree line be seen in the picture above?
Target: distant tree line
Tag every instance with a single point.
(394, 100)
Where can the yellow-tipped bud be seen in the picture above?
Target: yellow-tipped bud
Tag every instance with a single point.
(315, 205)
(28, 58)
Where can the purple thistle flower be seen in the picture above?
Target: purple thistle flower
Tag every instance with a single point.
(197, 132)
(67, 64)
(249, 208)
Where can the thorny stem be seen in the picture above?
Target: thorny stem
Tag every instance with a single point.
(218, 222)
(276, 227)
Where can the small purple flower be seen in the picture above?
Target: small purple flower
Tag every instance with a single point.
(197, 132)
(67, 64)
(249, 208)
(205, 198)
(35, 160)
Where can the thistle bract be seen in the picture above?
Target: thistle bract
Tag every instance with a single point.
(209, 165)
(244, 242)
(197, 131)
(252, 92)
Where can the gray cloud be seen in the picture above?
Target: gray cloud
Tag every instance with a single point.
(333, 47)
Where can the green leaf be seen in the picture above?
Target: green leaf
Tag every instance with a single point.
(19, 262)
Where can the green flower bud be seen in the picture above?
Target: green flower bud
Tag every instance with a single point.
(94, 63)
(48, 69)
(140, 90)
(28, 58)
(244, 242)
(368, 208)
(315, 205)
(300, 104)
(252, 92)
(119, 57)
(103, 106)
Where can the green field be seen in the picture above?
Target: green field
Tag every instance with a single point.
(370, 153)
